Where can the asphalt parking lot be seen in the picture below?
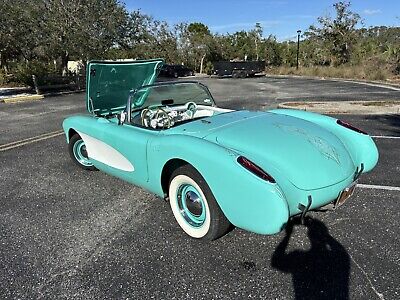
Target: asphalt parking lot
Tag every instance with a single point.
(69, 233)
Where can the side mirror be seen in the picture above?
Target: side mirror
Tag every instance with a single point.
(121, 118)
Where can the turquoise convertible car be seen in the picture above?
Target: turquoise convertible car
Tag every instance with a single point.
(216, 167)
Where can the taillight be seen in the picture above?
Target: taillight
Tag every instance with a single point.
(349, 126)
(253, 168)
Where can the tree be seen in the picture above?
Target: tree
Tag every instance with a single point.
(82, 29)
(200, 39)
(272, 51)
(181, 34)
(338, 34)
(256, 34)
(19, 34)
(40, 36)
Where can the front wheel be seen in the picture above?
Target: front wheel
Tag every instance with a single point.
(77, 151)
(194, 206)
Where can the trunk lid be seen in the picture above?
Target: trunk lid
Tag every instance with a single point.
(310, 156)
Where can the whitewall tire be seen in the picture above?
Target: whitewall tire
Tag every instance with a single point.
(194, 206)
(195, 225)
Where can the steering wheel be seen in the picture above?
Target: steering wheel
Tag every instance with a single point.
(153, 116)
(191, 109)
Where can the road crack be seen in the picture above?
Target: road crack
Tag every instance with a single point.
(380, 295)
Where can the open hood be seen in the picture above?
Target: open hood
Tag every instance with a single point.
(108, 82)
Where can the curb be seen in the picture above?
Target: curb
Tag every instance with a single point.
(345, 107)
(62, 93)
(199, 75)
(36, 97)
(22, 98)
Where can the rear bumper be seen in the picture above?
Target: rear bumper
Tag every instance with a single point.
(320, 197)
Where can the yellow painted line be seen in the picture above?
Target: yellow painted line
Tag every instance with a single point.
(30, 140)
(22, 98)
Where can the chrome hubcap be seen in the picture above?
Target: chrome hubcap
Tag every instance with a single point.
(191, 205)
(80, 153)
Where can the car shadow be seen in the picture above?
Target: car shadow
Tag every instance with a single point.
(322, 272)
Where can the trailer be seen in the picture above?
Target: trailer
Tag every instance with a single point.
(238, 69)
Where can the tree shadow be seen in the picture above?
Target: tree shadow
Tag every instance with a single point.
(389, 124)
(322, 272)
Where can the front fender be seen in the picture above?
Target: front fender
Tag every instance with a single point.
(85, 123)
(247, 201)
(361, 147)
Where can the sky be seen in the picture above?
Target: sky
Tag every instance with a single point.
(277, 17)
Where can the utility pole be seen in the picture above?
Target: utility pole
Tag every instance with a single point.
(298, 49)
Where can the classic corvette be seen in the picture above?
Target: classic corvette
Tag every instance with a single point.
(216, 167)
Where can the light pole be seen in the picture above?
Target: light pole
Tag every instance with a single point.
(298, 48)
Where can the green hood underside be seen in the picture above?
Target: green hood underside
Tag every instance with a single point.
(108, 82)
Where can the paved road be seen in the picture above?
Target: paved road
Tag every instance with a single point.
(67, 233)
(266, 92)
(18, 121)
(23, 120)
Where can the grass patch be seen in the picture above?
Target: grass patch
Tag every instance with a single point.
(367, 72)
(381, 103)
(298, 104)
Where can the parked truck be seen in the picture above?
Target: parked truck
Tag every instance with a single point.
(238, 69)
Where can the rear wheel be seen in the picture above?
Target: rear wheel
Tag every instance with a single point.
(77, 151)
(194, 206)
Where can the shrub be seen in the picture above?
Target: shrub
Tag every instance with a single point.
(209, 68)
(3, 80)
(372, 70)
(24, 71)
(7, 80)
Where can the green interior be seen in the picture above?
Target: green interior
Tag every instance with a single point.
(109, 83)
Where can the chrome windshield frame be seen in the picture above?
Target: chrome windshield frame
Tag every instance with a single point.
(132, 93)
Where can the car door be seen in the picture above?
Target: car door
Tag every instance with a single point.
(128, 159)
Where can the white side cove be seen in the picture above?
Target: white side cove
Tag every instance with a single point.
(106, 154)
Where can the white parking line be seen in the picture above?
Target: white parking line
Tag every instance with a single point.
(30, 140)
(378, 187)
(385, 137)
(384, 86)
(389, 87)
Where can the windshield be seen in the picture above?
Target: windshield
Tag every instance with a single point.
(171, 94)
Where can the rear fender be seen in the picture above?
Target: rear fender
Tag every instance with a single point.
(246, 200)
